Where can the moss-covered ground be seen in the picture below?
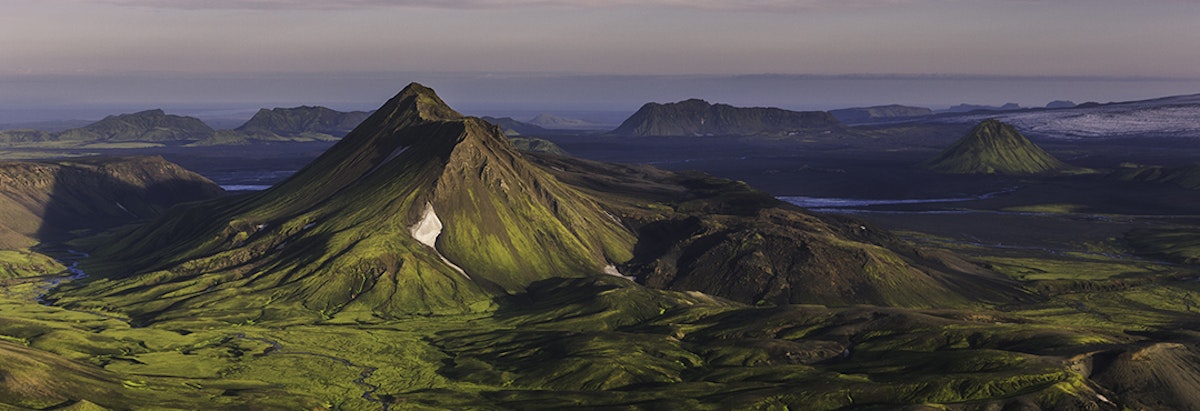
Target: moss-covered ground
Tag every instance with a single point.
(602, 343)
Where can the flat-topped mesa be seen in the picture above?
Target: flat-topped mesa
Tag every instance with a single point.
(353, 231)
(695, 117)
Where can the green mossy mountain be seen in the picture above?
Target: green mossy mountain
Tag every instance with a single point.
(993, 147)
(44, 201)
(150, 125)
(341, 234)
(697, 117)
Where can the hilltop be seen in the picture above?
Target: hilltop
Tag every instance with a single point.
(697, 117)
(993, 147)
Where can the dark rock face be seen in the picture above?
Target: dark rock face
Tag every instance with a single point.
(697, 117)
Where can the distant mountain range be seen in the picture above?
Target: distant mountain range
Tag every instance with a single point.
(889, 112)
(1184, 176)
(993, 147)
(697, 117)
(297, 124)
(553, 122)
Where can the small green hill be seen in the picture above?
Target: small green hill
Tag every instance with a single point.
(993, 147)
(697, 117)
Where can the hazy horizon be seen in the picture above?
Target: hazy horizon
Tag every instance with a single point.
(607, 98)
(85, 59)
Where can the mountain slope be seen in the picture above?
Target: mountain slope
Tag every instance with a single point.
(149, 125)
(993, 147)
(418, 210)
(698, 117)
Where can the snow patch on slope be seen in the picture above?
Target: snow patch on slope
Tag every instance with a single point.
(427, 231)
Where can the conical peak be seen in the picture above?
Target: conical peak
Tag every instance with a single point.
(420, 101)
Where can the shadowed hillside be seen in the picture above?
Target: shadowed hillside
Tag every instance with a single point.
(44, 201)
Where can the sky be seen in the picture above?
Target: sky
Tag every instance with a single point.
(587, 54)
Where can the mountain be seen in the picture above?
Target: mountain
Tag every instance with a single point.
(1061, 104)
(148, 126)
(303, 121)
(967, 108)
(993, 147)
(1184, 176)
(512, 127)
(418, 210)
(867, 114)
(553, 122)
(697, 117)
(422, 210)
